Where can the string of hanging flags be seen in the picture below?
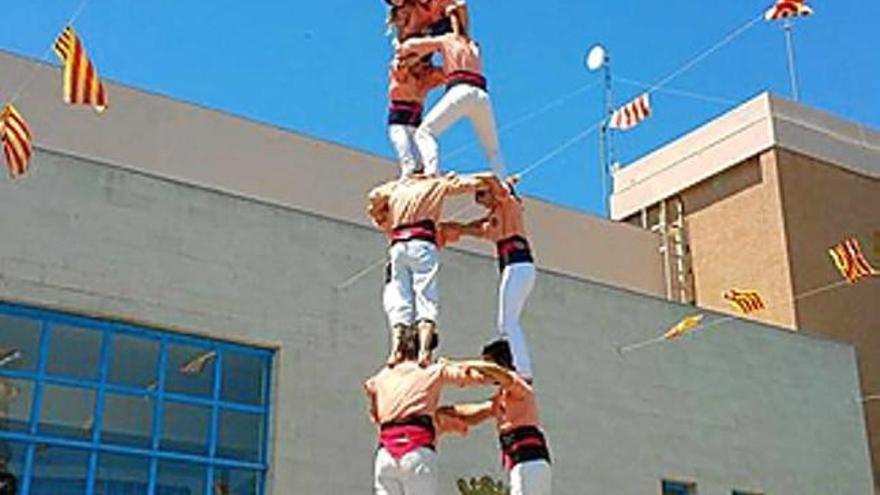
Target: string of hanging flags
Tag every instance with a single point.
(81, 85)
(848, 258)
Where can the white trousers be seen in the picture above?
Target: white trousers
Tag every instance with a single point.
(517, 281)
(412, 294)
(460, 101)
(414, 474)
(403, 140)
(531, 478)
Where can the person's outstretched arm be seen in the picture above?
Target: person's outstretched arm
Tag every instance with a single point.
(475, 228)
(471, 414)
(419, 47)
(495, 373)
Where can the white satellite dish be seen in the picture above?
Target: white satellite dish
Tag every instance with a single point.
(596, 58)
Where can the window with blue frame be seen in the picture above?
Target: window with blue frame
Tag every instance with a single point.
(678, 488)
(92, 407)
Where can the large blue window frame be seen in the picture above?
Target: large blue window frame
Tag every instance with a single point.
(108, 330)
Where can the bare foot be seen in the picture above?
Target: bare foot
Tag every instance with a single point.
(394, 359)
(424, 358)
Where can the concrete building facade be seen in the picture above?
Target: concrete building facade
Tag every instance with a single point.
(765, 191)
(149, 240)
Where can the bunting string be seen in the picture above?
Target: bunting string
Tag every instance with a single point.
(580, 136)
(80, 9)
(727, 319)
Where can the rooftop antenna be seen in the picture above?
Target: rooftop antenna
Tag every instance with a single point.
(598, 59)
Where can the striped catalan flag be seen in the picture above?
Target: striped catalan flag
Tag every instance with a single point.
(745, 301)
(851, 261)
(81, 83)
(784, 9)
(631, 114)
(17, 141)
(683, 327)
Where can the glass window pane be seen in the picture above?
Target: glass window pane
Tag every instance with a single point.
(73, 352)
(19, 343)
(678, 488)
(243, 378)
(190, 370)
(122, 475)
(16, 397)
(127, 420)
(228, 481)
(180, 479)
(59, 471)
(185, 428)
(240, 435)
(133, 361)
(12, 457)
(67, 412)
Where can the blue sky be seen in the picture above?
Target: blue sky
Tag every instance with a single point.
(319, 67)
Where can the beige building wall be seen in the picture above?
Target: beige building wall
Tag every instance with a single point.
(767, 189)
(821, 204)
(180, 141)
(737, 239)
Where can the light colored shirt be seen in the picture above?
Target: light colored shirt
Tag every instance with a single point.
(404, 86)
(408, 390)
(515, 406)
(415, 199)
(459, 52)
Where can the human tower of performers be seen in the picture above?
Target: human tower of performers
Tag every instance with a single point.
(404, 397)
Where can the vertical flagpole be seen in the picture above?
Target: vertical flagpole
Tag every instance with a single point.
(609, 137)
(788, 26)
(605, 146)
(598, 58)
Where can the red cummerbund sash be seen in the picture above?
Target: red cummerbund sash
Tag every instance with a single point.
(405, 113)
(424, 230)
(403, 436)
(524, 444)
(466, 77)
(512, 250)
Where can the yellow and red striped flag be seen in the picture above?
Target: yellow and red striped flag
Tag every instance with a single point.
(788, 8)
(81, 83)
(684, 327)
(850, 260)
(17, 141)
(745, 301)
(631, 114)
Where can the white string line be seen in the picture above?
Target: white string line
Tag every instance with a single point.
(581, 135)
(34, 71)
(526, 117)
(677, 92)
(510, 125)
(727, 319)
(696, 60)
(653, 88)
(381, 261)
(559, 149)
